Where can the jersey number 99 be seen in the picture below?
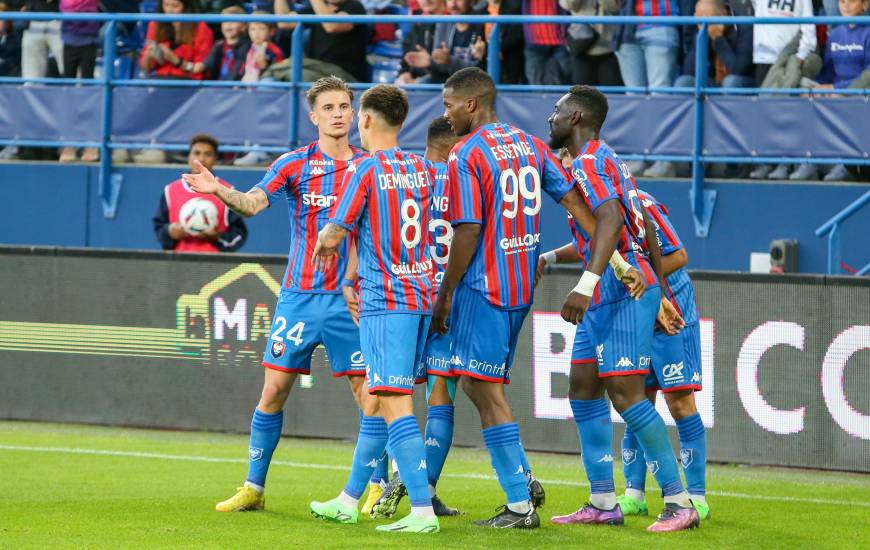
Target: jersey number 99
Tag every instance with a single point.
(525, 185)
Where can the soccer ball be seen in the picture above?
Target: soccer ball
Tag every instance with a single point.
(198, 215)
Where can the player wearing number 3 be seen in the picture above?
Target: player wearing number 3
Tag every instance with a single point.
(495, 177)
(310, 309)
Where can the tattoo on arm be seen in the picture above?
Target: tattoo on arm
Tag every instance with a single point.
(244, 204)
(332, 234)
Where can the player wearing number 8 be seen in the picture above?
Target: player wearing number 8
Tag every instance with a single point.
(387, 196)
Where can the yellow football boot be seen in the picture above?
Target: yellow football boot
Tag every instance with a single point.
(247, 498)
(375, 492)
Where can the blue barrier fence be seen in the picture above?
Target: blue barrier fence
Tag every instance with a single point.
(702, 199)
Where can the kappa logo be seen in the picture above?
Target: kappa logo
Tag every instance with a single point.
(673, 372)
(432, 442)
(599, 352)
(624, 363)
(587, 156)
(696, 377)
(377, 379)
(422, 465)
(452, 157)
(255, 453)
(629, 456)
(278, 348)
(653, 466)
(606, 458)
(455, 361)
(520, 470)
(373, 463)
(686, 457)
(351, 167)
(316, 171)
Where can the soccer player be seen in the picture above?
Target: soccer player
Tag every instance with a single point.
(310, 309)
(620, 328)
(496, 175)
(676, 371)
(387, 196)
(441, 382)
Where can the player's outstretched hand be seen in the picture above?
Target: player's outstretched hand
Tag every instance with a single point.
(201, 181)
(669, 319)
(635, 283)
(323, 256)
(539, 271)
(441, 312)
(575, 307)
(351, 299)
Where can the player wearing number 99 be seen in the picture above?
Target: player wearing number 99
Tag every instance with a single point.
(496, 174)
(310, 309)
(621, 328)
(387, 196)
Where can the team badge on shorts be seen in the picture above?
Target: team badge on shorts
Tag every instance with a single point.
(278, 348)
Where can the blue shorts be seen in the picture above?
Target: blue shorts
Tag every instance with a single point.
(676, 360)
(393, 346)
(436, 358)
(302, 322)
(623, 334)
(583, 351)
(484, 337)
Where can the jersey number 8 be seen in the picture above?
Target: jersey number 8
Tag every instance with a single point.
(525, 184)
(411, 223)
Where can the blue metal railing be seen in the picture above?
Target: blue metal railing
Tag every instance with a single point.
(702, 200)
(832, 228)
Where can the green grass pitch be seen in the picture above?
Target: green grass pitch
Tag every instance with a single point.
(69, 486)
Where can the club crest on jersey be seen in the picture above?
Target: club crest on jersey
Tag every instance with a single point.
(278, 348)
(629, 456)
(686, 457)
(255, 453)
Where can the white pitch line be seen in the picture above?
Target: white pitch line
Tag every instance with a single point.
(162, 456)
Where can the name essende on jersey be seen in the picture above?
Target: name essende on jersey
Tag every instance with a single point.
(511, 150)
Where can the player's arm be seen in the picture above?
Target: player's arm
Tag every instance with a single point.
(244, 204)
(668, 318)
(675, 260)
(348, 283)
(609, 220)
(343, 218)
(326, 247)
(462, 247)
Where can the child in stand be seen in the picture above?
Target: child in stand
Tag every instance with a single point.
(263, 52)
(227, 58)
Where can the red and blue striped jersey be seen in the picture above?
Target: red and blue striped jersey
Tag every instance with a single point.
(656, 7)
(580, 239)
(680, 289)
(495, 176)
(603, 177)
(440, 230)
(388, 196)
(310, 182)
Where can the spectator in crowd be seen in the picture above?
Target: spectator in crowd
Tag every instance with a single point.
(333, 48)
(41, 38)
(79, 57)
(592, 59)
(846, 64)
(546, 56)
(173, 50)
(791, 45)
(511, 40)
(417, 44)
(648, 58)
(454, 46)
(226, 61)
(263, 52)
(729, 51)
(230, 232)
(10, 47)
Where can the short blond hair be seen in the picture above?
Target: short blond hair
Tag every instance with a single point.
(327, 84)
(233, 10)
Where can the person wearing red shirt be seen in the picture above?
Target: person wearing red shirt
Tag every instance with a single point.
(172, 49)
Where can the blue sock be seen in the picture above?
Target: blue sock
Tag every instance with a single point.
(439, 437)
(508, 460)
(633, 462)
(265, 433)
(693, 453)
(370, 445)
(649, 428)
(381, 473)
(596, 442)
(406, 444)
